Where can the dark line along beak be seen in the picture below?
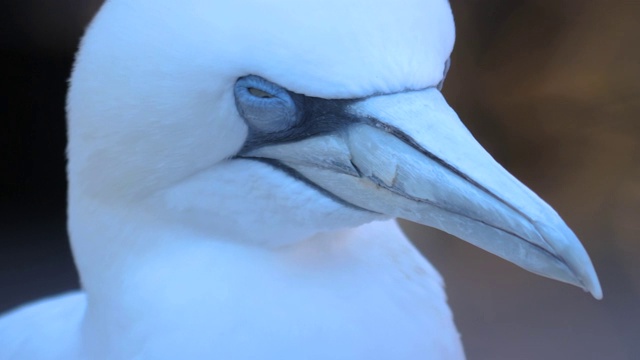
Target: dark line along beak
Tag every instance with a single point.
(409, 156)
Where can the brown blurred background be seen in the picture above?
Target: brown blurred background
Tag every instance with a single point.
(551, 88)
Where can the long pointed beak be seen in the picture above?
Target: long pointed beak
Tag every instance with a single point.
(409, 156)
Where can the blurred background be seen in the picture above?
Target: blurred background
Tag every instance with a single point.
(550, 88)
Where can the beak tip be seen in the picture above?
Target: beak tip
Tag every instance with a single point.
(588, 281)
(593, 286)
(563, 242)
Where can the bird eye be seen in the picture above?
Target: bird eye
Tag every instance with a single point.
(265, 106)
(259, 93)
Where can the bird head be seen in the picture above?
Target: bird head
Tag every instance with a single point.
(267, 122)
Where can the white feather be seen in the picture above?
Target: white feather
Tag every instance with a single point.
(186, 255)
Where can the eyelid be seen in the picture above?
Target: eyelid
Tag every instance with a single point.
(265, 106)
(261, 85)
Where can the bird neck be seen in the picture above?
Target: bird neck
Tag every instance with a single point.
(127, 258)
(139, 280)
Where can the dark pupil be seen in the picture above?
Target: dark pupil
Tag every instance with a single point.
(259, 93)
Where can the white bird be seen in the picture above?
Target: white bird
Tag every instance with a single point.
(230, 163)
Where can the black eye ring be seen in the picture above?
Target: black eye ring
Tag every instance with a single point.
(265, 106)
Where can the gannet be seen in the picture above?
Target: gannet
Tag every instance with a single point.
(234, 171)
